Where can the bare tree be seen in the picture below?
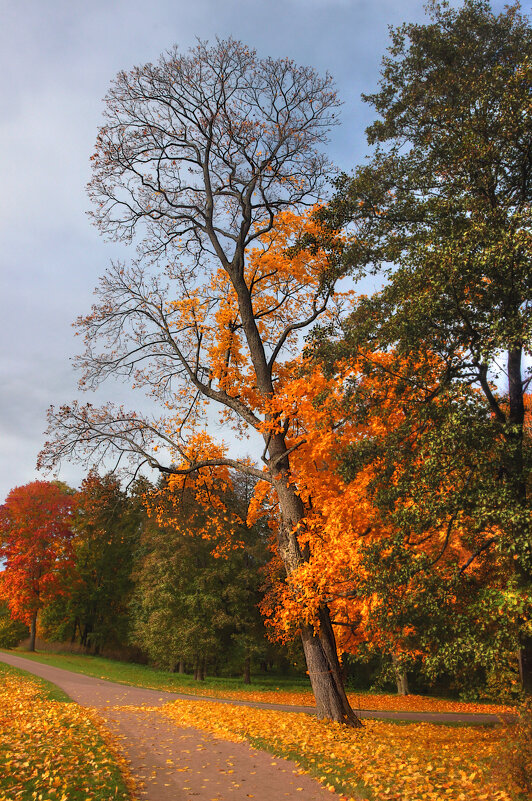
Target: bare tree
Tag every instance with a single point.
(200, 155)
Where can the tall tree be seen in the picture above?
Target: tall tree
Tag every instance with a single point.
(446, 200)
(206, 154)
(35, 544)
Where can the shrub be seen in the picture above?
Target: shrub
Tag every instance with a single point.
(11, 631)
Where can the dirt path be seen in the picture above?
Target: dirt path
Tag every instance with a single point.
(174, 764)
(131, 695)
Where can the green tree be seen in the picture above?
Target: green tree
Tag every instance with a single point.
(442, 213)
(12, 631)
(192, 604)
(107, 531)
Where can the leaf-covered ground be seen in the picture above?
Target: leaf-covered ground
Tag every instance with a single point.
(414, 762)
(51, 750)
(392, 703)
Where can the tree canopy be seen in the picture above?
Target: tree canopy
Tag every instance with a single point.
(442, 211)
(394, 463)
(35, 542)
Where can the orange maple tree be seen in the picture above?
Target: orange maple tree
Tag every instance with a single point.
(345, 533)
(209, 157)
(401, 563)
(340, 517)
(287, 294)
(36, 546)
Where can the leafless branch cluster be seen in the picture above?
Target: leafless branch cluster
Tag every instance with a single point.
(198, 154)
(111, 434)
(205, 148)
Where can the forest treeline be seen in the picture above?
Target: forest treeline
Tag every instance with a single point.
(109, 579)
(393, 476)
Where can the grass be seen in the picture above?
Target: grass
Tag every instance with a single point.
(50, 748)
(154, 678)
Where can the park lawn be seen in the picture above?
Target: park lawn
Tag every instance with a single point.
(408, 762)
(50, 748)
(158, 679)
(275, 689)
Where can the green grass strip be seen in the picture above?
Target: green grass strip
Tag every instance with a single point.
(157, 679)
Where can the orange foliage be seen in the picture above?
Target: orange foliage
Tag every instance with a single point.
(51, 749)
(284, 289)
(341, 520)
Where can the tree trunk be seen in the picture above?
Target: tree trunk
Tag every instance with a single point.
(320, 649)
(203, 669)
(33, 632)
(524, 658)
(87, 630)
(321, 654)
(247, 670)
(181, 668)
(325, 673)
(401, 679)
(516, 476)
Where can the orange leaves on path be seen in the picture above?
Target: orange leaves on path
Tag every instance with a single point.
(423, 762)
(51, 750)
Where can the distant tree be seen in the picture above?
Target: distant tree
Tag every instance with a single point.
(36, 546)
(12, 631)
(196, 600)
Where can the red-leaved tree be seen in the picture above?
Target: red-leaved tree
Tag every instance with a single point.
(35, 545)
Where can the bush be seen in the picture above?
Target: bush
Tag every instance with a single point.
(11, 631)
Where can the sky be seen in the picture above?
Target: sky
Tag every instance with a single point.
(57, 60)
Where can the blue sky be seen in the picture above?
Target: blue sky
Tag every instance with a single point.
(57, 60)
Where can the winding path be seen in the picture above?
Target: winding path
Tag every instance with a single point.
(177, 764)
(173, 764)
